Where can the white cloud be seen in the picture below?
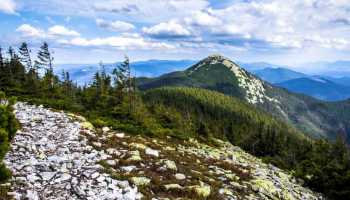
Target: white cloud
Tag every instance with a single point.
(29, 31)
(201, 18)
(120, 42)
(8, 6)
(167, 30)
(58, 30)
(54, 32)
(118, 26)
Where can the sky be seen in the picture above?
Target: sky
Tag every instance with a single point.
(88, 31)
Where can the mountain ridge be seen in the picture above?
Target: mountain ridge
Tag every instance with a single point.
(308, 114)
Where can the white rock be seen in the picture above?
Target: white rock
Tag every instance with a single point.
(95, 175)
(32, 195)
(179, 176)
(111, 162)
(65, 177)
(128, 168)
(105, 129)
(152, 152)
(47, 175)
(120, 135)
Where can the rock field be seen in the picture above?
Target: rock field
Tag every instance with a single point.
(61, 156)
(50, 159)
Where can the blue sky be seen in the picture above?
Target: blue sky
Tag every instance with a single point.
(87, 31)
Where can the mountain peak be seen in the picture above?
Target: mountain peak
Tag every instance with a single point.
(254, 89)
(216, 58)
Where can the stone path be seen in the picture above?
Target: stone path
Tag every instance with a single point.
(50, 159)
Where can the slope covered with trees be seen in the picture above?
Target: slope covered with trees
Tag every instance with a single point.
(112, 100)
(314, 117)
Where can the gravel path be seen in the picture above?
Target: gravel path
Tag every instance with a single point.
(50, 159)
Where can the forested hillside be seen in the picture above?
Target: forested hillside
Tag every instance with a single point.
(182, 113)
(311, 116)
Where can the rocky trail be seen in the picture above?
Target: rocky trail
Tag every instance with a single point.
(50, 159)
(61, 156)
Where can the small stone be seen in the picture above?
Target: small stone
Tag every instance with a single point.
(32, 178)
(172, 187)
(65, 177)
(179, 176)
(226, 191)
(111, 162)
(100, 179)
(95, 175)
(32, 195)
(135, 156)
(140, 181)
(97, 144)
(120, 135)
(47, 175)
(138, 145)
(152, 152)
(128, 168)
(171, 165)
(105, 129)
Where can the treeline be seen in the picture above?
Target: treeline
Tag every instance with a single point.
(112, 100)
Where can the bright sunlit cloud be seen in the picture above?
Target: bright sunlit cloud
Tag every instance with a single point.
(271, 30)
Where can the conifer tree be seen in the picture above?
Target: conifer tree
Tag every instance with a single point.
(123, 82)
(25, 55)
(1, 59)
(11, 53)
(45, 61)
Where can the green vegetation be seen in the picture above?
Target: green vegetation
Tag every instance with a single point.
(112, 100)
(8, 128)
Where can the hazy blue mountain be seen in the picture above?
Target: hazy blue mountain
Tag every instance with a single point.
(83, 73)
(317, 87)
(276, 75)
(254, 66)
(334, 69)
(339, 80)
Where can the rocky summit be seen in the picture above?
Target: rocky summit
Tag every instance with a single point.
(57, 155)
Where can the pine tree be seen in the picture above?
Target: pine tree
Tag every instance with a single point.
(123, 82)
(44, 57)
(25, 55)
(1, 59)
(11, 53)
(45, 61)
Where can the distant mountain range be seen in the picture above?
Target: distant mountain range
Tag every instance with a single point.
(277, 75)
(83, 73)
(333, 69)
(317, 87)
(332, 88)
(321, 87)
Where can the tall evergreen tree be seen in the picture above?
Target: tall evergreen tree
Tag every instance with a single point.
(11, 53)
(1, 58)
(123, 81)
(45, 60)
(25, 55)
